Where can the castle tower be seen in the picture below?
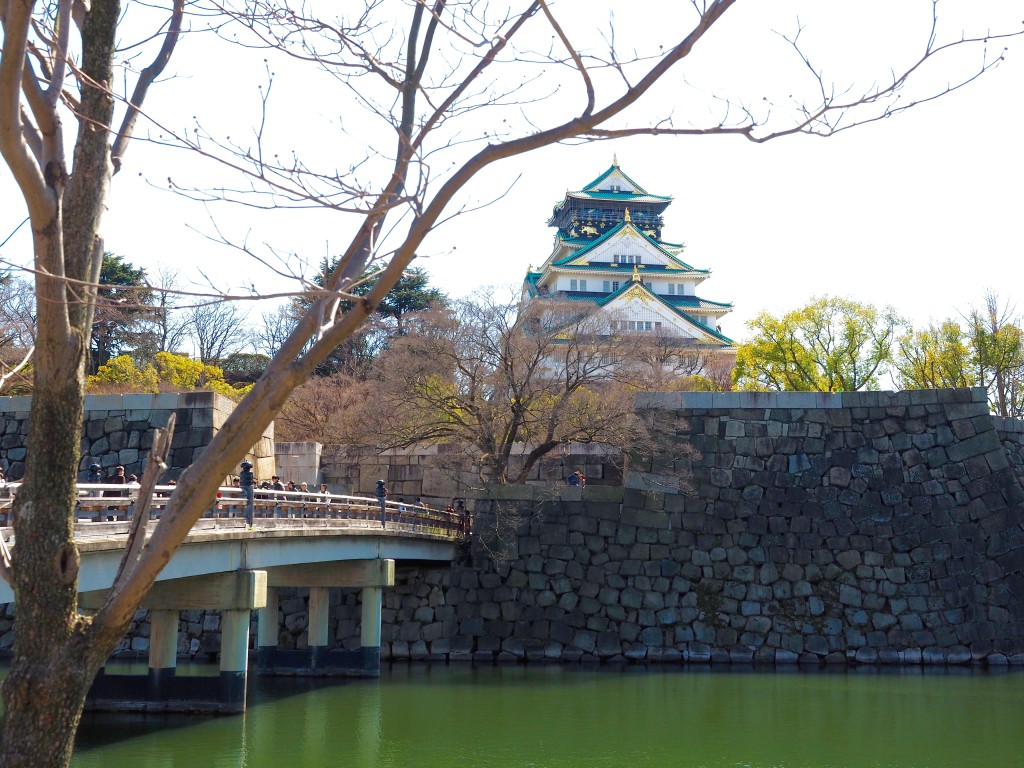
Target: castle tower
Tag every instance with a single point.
(608, 251)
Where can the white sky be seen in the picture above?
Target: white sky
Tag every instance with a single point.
(922, 211)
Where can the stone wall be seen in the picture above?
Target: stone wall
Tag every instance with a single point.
(118, 429)
(299, 462)
(439, 473)
(862, 527)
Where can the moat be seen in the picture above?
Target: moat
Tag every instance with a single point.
(593, 717)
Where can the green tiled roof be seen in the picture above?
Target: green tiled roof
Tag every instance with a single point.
(591, 244)
(601, 300)
(694, 302)
(611, 169)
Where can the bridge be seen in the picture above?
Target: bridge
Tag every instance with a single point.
(311, 540)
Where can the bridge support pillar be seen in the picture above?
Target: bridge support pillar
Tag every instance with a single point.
(267, 631)
(369, 630)
(235, 594)
(234, 657)
(369, 576)
(318, 609)
(163, 653)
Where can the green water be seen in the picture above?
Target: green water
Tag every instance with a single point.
(569, 717)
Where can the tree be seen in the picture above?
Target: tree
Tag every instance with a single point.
(484, 375)
(123, 303)
(167, 326)
(933, 358)
(243, 367)
(57, 652)
(997, 345)
(17, 334)
(216, 329)
(830, 345)
(17, 313)
(275, 327)
(662, 361)
(411, 294)
(168, 371)
(450, 61)
(327, 409)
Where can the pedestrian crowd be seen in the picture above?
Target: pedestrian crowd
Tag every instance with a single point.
(275, 489)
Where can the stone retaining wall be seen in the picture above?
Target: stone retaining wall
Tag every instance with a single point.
(440, 473)
(866, 527)
(862, 527)
(118, 429)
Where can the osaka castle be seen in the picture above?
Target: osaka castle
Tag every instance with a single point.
(609, 251)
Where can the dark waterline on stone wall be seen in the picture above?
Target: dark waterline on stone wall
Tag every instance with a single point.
(517, 716)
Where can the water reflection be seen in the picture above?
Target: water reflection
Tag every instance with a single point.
(555, 717)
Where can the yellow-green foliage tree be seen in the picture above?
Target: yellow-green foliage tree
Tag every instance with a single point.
(997, 347)
(934, 357)
(830, 345)
(121, 373)
(171, 372)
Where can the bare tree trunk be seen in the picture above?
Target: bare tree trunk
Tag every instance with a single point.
(46, 687)
(56, 651)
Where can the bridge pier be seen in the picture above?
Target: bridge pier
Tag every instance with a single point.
(163, 653)
(266, 631)
(235, 594)
(370, 576)
(234, 656)
(318, 609)
(369, 627)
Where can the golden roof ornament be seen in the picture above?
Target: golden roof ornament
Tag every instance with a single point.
(615, 159)
(636, 274)
(629, 219)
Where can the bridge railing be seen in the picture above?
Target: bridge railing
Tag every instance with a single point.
(110, 501)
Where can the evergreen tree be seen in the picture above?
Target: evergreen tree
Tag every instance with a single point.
(123, 302)
(412, 293)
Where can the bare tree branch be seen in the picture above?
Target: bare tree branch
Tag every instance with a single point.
(146, 79)
(155, 467)
(16, 152)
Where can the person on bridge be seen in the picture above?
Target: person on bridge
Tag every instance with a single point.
(116, 478)
(95, 477)
(381, 492)
(247, 482)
